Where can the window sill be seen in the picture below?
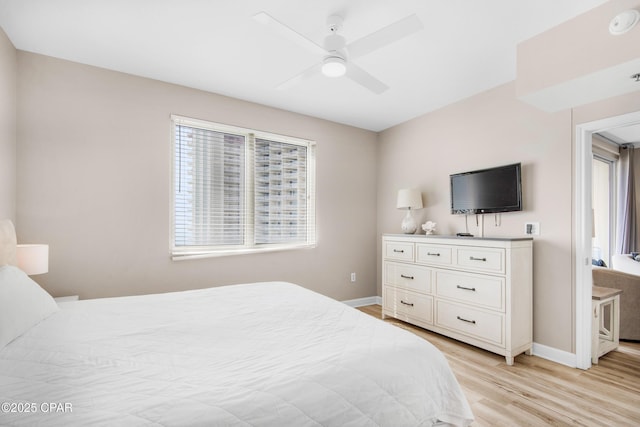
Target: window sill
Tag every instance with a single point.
(198, 254)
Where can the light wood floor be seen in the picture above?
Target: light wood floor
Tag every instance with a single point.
(537, 392)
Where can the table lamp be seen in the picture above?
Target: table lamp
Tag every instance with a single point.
(33, 259)
(409, 198)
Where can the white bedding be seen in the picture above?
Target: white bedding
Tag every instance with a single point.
(263, 354)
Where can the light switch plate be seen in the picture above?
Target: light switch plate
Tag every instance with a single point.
(532, 228)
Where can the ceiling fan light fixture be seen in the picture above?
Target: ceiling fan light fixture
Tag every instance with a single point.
(334, 66)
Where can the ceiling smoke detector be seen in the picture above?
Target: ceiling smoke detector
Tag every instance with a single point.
(624, 22)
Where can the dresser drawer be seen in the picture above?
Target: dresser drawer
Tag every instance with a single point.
(401, 251)
(469, 321)
(481, 259)
(472, 290)
(434, 254)
(402, 302)
(408, 276)
(484, 291)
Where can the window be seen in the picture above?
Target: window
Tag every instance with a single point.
(603, 197)
(602, 202)
(237, 190)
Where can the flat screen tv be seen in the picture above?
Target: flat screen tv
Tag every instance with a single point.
(483, 191)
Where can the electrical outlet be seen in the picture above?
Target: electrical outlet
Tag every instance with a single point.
(532, 228)
(353, 277)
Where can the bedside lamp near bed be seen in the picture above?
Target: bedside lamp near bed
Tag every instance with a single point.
(33, 259)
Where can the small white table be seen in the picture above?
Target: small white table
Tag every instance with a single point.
(605, 329)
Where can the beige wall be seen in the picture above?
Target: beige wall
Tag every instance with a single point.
(493, 129)
(576, 48)
(8, 65)
(94, 183)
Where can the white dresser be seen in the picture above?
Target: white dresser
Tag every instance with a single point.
(476, 290)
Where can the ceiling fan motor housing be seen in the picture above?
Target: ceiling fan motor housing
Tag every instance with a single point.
(334, 64)
(334, 42)
(334, 23)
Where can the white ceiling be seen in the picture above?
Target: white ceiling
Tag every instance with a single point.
(624, 135)
(466, 47)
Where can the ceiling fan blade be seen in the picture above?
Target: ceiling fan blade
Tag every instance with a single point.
(309, 72)
(271, 22)
(365, 79)
(384, 36)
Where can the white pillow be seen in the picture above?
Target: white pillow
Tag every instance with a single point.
(23, 304)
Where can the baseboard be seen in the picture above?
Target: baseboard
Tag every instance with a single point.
(360, 302)
(555, 355)
(539, 350)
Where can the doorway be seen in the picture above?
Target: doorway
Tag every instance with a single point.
(583, 228)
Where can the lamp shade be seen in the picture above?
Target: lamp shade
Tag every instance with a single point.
(409, 198)
(33, 259)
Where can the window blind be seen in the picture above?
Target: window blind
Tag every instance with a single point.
(240, 190)
(281, 192)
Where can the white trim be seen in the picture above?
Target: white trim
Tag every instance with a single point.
(187, 255)
(248, 182)
(67, 298)
(584, 156)
(582, 238)
(539, 350)
(221, 127)
(361, 302)
(554, 355)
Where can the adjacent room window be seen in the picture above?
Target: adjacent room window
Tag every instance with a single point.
(238, 190)
(602, 201)
(604, 168)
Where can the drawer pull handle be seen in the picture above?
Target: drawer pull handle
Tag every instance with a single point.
(477, 259)
(406, 277)
(465, 320)
(398, 251)
(465, 288)
(433, 253)
(407, 303)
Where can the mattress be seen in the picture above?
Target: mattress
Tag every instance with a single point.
(260, 354)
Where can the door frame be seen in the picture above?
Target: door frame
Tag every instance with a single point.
(583, 227)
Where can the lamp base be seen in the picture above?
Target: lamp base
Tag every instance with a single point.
(409, 225)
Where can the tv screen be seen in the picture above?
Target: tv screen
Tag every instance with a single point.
(487, 191)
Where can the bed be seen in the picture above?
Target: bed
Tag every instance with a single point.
(258, 354)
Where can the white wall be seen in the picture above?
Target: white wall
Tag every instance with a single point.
(8, 66)
(94, 183)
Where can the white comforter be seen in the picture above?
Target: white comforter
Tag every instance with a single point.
(263, 354)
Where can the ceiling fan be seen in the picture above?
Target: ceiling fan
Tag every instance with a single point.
(337, 55)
